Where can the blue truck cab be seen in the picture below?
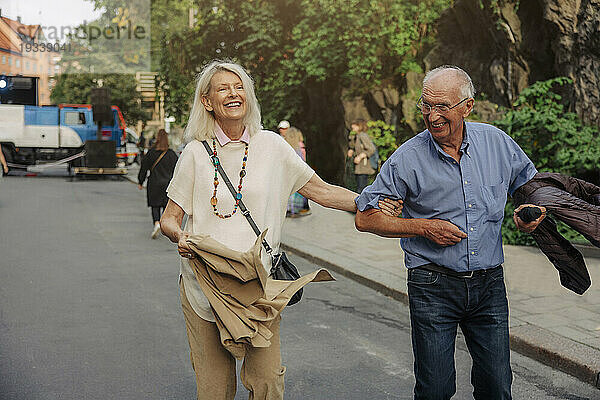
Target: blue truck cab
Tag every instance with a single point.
(51, 133)
(79, 117)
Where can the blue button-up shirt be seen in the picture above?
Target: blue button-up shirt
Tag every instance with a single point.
(471, 193)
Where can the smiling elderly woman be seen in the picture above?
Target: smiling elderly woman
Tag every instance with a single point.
(226, 114)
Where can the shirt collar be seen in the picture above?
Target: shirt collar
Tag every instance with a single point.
(224, 139)
(463, 147)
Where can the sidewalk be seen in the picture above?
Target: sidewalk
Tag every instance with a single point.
(547, 322)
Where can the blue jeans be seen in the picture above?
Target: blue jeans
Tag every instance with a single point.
(438, 304)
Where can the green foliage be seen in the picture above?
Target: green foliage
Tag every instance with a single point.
(289, 45)
(302, 55)
(554, 139)
(112, 55)
(121, 48)
(76, 89)
(382, 135)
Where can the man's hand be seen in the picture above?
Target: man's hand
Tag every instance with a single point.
(442, 232)
(390, 207)
(528, 227)
(140, 187)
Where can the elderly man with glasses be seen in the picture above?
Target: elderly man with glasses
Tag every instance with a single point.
(453, 178)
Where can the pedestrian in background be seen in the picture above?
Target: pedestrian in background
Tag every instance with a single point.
(226, 115)
(141, 145)
(283, 126)
(160, 163)
(3, 162)
(361, 147)
(297, 204)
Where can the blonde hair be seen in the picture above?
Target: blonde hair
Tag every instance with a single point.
(293, 136)
(201, 124)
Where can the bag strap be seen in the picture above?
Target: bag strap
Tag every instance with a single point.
(241, 204)
(158, 159)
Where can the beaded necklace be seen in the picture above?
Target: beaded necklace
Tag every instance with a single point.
(238, 196)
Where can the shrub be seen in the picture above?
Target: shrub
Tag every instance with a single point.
(553, 139)
(382, 135)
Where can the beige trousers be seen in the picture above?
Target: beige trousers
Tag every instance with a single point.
(262, 373)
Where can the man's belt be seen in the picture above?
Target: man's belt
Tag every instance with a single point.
(465, 274)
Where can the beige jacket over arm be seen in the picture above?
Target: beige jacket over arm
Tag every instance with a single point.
(242, 297)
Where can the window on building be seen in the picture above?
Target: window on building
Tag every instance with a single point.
(3, 59)
(74, 118)
(9, 60)
(17, 63)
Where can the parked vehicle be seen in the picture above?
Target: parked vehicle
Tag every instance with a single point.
(129, 152)
(33, 134)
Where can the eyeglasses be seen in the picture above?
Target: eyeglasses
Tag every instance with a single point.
(439, 108)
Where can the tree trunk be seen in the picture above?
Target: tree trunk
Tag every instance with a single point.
(323, 126)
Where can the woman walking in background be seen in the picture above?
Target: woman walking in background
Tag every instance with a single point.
(361, 147)
(160, 162)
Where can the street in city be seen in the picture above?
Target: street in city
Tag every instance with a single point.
(89, 309)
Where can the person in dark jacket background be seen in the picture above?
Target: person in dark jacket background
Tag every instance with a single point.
(160, 162)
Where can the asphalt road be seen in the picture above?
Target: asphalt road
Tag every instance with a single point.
(89, 309)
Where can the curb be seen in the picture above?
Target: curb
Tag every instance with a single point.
(547, 347)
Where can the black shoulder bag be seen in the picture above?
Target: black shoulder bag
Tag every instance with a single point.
(281, 268)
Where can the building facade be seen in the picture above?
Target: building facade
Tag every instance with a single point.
(23, 51)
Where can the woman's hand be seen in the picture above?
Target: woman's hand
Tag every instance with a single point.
(183, 247)
(392, 208)
(140, 187)
(350, 153)
(359, 158)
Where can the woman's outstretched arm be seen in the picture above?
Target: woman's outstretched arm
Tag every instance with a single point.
(340, 198)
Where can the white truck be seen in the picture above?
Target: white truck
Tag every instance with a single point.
(30, 134)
